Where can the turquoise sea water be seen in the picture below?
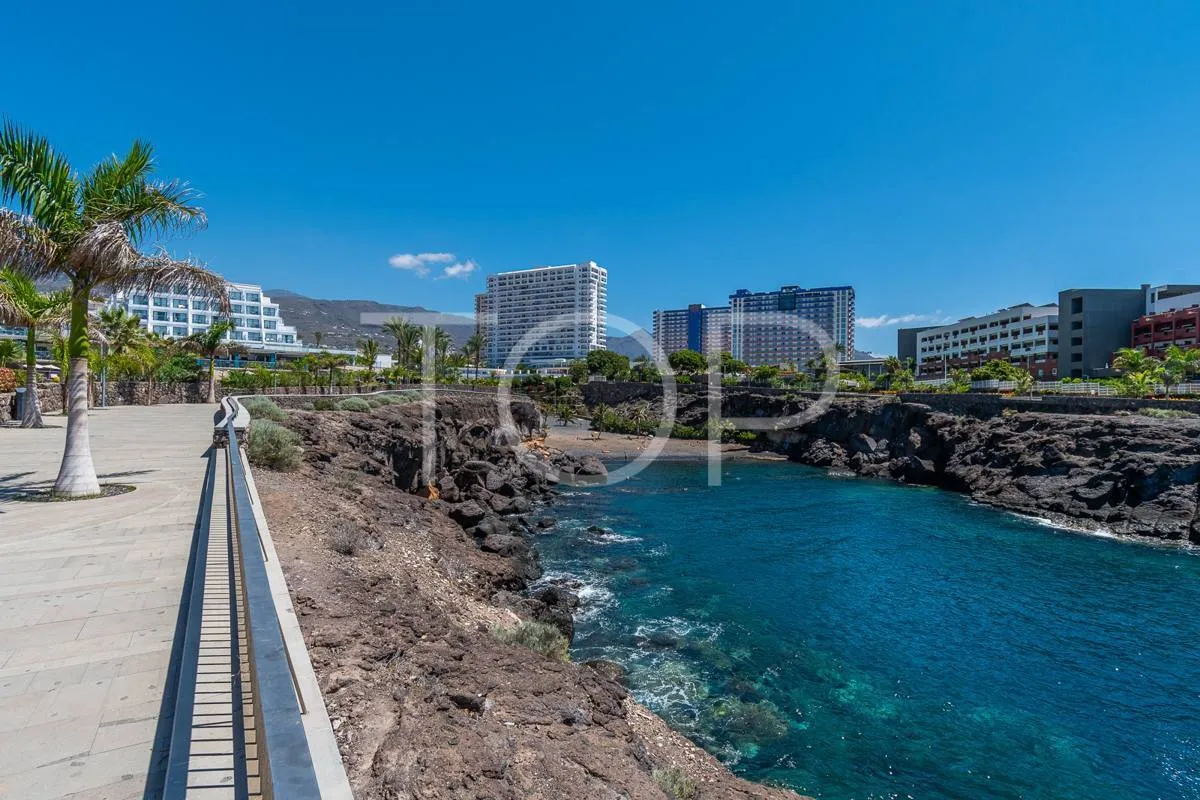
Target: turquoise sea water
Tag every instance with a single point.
(858, 639)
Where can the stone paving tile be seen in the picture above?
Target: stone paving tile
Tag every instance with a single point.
(89, 599)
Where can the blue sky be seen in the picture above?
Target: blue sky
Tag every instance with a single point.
(944, 158)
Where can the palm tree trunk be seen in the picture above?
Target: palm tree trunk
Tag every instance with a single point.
(212, 379)
(77, 474)
(32, 417)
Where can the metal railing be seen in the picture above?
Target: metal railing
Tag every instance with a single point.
(285, 761)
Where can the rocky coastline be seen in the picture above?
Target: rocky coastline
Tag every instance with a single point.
(404, 589)
(1123, 473)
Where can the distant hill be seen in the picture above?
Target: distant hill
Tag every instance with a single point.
(626, 346)
(340, 321)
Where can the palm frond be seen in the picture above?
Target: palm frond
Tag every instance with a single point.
(38, 178)
(108, 179)
(156, 272)
(25, 245)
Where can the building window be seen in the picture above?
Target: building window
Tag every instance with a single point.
(179, 304)
(269, 324)
(200, 305)
(177, 317)
(254, 337)
(178, 331)
(1076, 305)
(235, 295)
(236, 308)
(269, 311)
(253, 309)
(160, 316)
(1077, 357)
(140, 299)
(1077, 325)
(201, 319)
(1076, 341)
(161, 302)
(161, 330)
(252, 297)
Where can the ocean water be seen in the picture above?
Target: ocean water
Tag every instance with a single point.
(858, 639)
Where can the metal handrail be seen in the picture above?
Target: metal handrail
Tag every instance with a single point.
(285, 761)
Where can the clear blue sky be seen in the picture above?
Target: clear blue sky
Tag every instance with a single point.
(944, 158)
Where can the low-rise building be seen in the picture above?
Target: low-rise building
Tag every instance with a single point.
(1025, 335)
(906, 343)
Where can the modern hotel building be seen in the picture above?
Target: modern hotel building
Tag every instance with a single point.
(176, 312)
(567, 307)
(1024, 334)
(705, 330)
(786, 326)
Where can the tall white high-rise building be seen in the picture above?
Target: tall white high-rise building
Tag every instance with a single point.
(176, 312)
(567, 306)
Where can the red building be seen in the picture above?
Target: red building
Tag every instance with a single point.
(1154, 333)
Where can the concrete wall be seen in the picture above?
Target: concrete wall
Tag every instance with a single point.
(1103, 322)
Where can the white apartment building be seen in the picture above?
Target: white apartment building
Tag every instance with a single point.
(571, 300)
(257, 324)
(1024, 334)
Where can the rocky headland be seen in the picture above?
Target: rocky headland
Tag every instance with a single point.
(405, 589)
(1120, 472)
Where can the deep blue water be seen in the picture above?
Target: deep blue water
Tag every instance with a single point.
(858, 639)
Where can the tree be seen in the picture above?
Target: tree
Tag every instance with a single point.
(23, 305)
(644, 370)
(688, 361)
(88, 228)
(1178, 365)
(733, 366)
(368, 353)
(764, 373)
(442, 342)
(578, 371)
(896, 376)
(1132, 359)
(613, 366)
(998, 369)
(1138, 384)
(473, 349)
(408, 340)
(212, 344)
(318, 337)
(8, 353)
(302, 369)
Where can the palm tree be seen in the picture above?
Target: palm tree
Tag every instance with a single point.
(408, 340)
(123, 336)
(318, 337)
(1133, 359)
(8, 352)
(442, 342)
(88, 228)
(473, 348)
(302, 368)
(61, 354)
(368, 353)
(22, 304)
(212, 344)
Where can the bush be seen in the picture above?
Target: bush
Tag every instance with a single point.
(675, 783)
(272, 445)
(1167, 413)
(263, 408)
(354, 404)
(537, 636)
(8, 380)
(324, 404)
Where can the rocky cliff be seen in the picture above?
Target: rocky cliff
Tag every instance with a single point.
(402, 586)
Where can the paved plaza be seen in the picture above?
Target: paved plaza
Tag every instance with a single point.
(89, 601)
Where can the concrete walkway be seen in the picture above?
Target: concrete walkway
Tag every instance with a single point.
(89, 601)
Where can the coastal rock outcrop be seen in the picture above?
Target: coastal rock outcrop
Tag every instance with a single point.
(426, 699)
(1122, 472)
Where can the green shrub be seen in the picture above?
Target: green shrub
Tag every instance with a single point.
(354, 404)
(675, 783)
(374, 402)
(272, 445)
(1167, 413)
(324, 404)
(537, 636)
(263, 408)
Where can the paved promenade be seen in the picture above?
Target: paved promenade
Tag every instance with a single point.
(89, 599)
